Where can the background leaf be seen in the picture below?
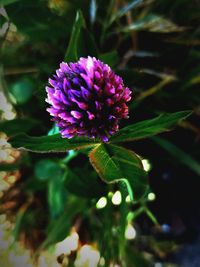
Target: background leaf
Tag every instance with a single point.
(84, 182)
(45, 169)
(57, 194)
(60, 227)
(42, 26)
(21, 91)
(124, 10)
(178, 154)
(15, 126)
(110, 58)
(81, 42)
(7, 2)
(153, 23)
(8, 167)
(71, 54)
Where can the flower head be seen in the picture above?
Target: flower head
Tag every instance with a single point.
(87, 99)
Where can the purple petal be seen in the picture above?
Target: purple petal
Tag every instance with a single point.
(109, 102)
(96, 87)
(111, 117)
(53, 111)
(90, 115)
(76, 114)
(104, 138)
(85, 93)
(64, 67)
(97, 105)
(75, 93)
(82, 105)
(52, 82)
(97, 75)
(87, 80)
(66, 85)
(49, 90)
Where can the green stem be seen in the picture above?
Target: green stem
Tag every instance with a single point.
(71, 154)
(151, 215)
(123, 224)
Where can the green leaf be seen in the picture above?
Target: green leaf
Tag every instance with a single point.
(178, 154)
(86, 44)
(59, 228)
(110, 58)
(84, 182)
(7, 2)
(117, 164)
(8, 167)
(43, 25)
(21, 91)
(148, 128)
(32, 185)
(51, 143)
(57, 194)
(136, 258)
(124, 10)
(81, 42)
(46, 169)
(153, 23)
(24, 217)
(16, 126)
(18, 223)
(124, 210)
(71, 54)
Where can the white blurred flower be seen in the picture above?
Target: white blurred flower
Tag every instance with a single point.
(68, 245)
(130, 232)
(87, 257)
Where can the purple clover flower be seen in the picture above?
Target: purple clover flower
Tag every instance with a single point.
(87, 99)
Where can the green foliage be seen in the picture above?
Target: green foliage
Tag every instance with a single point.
(148, 128)
(8, 167)
(110, 58)
(16, 126)
(7, 2)
(153, 23)
(59, 228)
(81, 42)
(84, 182)
(57, 194)
(46, 168)
(21, 91)
(54, 143)
(179, 154)
(71, 54)
(51, 143)
(42, 25)
(123, 11)
(116, 164)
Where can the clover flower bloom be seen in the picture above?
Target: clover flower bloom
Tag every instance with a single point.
(87, 99)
